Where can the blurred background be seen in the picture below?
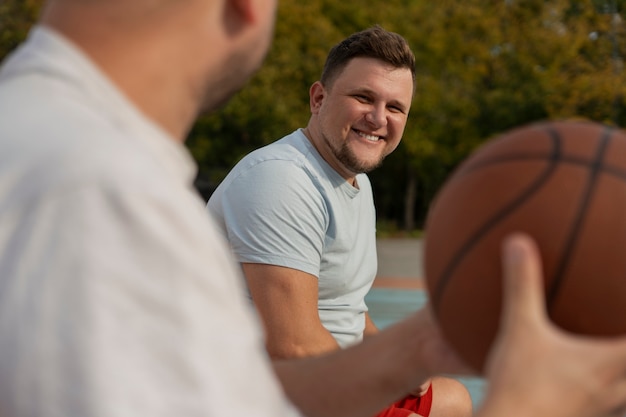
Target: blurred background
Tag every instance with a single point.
(484, 66)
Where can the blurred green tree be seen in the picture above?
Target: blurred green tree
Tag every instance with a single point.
(16, 19)
(483, 66)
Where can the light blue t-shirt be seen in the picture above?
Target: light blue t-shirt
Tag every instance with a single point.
(284, 205)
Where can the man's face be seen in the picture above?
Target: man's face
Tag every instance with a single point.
(361, 116)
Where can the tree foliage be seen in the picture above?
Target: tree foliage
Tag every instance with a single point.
(484, 66)
(16, 18)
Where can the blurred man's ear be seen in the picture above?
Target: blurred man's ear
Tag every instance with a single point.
(245, 9)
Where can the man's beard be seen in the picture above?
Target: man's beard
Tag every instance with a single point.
(349, 160)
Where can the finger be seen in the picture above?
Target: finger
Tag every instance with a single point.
(523, 280)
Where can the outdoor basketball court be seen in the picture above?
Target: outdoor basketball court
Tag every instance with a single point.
(398, 291)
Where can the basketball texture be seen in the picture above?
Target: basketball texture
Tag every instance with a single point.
(563, 183)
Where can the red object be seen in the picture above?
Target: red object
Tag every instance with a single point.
(409, 405)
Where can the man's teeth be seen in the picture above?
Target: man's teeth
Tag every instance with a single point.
(369, 137)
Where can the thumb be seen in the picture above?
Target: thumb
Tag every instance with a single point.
(523, 296)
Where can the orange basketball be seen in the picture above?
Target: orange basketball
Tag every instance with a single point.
(563, 183)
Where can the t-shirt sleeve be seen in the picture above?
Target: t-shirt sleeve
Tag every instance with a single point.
(274, 213)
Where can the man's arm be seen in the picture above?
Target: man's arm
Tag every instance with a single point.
(370, 375)
(287, 302)
(534, 369)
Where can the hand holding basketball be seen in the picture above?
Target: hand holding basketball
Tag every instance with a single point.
(551, 371)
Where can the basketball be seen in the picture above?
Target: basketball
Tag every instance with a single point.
(564, 184)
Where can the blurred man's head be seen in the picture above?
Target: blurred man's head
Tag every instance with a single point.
(245, 58)
(172, 58)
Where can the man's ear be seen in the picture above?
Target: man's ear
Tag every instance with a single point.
(317, 92)
(245, 9)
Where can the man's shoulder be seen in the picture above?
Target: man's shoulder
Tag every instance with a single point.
(288, 148)
(285, 157)
(59, 146)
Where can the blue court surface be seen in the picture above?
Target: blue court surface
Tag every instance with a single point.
(388, 305)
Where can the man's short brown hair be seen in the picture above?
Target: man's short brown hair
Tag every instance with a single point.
(374, 42)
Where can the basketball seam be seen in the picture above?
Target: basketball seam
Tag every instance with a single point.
(443, 281)
(580, 161)
(595, 170)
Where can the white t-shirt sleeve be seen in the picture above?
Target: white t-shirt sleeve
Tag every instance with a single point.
(274, 214)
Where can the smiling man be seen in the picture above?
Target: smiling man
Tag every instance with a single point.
(299, 213)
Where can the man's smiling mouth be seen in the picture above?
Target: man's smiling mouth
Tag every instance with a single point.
(371, 138)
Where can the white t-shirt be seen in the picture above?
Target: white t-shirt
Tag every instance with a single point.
(284, 205)
(117, 295)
